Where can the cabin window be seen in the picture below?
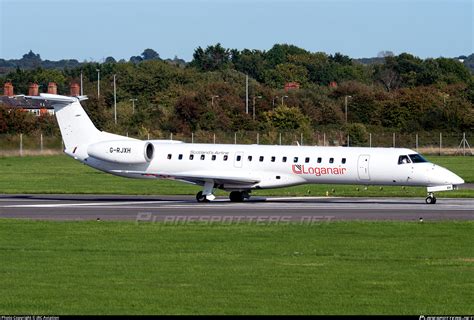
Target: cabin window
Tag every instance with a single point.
(180, 157)
(261, 158)
(416, 158)
(239, 158)
(169, 156)
(191, 156)
(273, 159)
(320, 160)
(249, 158)
(213, 157)
(226, 157)
(203, 157)
(403, 159)
(343, 160)
(331, 160)
(306, 160)
(283, 159)
(295, 159)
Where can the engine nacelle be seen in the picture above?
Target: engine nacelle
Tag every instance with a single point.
(122, 151)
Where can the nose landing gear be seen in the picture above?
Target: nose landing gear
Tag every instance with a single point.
(430, 199)
(206, 194)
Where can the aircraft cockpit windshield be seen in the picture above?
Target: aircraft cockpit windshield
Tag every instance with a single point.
(411, 158)
(416, 158)
(403, 159)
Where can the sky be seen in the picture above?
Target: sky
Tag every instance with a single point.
(91, 30)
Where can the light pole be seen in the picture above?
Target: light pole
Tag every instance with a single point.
(345, 105)
(255, 97)
(283, 98)
(98, 82)
(212, 100)
(133, 104)
(273, 102)
(115, 101)
(82, 92)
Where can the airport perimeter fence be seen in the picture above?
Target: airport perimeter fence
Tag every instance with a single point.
(426, 143)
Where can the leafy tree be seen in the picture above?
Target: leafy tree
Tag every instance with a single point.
(358, 135)
(150, 54)
(110, 60)
(211, 59)
(136, 59)
(280, 53)
(286, 118)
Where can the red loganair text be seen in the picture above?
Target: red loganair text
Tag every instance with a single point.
(317, 171)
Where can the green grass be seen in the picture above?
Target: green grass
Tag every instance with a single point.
(61, 174)
(155, 268)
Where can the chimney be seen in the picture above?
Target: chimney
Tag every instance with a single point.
(8, 89)
(75, 89)
(33, 89)
(52, 88)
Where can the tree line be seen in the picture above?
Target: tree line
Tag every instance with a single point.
(400, 92)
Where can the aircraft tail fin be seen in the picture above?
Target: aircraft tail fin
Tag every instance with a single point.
(75, 125)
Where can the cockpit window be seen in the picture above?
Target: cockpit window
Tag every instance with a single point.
(416, 158)
(403, 159)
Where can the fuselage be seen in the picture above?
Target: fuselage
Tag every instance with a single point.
(276, 166)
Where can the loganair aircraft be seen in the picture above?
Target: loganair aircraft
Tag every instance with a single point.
(241, 168)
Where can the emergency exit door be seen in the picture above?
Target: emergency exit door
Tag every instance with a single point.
(363, 167)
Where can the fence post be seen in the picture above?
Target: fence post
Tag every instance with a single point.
(235, 137)
(348, 141)
(171, 136)
(214, 137)
(280, 138)
(41, 143)
(148, 134)
(21, 144)
(463, 143)
(301, 139)
(440, 142)
(258, 137)
(370, 140)
(416, 143)
(192, 137)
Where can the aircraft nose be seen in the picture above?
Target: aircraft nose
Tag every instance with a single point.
(456, 179)
(445, 176)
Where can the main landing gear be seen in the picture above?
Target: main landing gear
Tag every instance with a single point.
(234, 196)
(239, 196)
(430, 199)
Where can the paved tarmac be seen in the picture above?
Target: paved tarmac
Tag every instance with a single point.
(178, 209)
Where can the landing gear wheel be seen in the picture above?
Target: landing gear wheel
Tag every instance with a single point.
(200, 197)
(236, 196)
(430, 199)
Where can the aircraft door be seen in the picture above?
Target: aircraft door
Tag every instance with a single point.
(239, 159)
(363, 167)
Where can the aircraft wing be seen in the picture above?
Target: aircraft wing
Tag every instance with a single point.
(194, 177)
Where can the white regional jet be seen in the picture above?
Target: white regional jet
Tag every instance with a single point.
(241, 168)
